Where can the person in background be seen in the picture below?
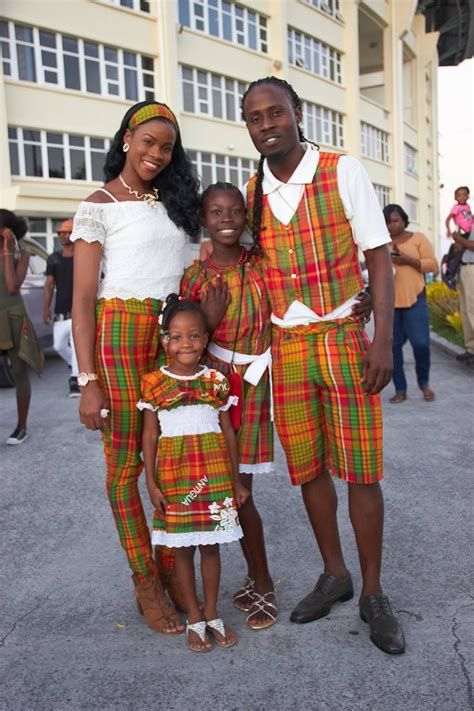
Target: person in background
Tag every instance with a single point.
(460, 213)
(17, 335)
(466, 293)
(412, 257)
(59, 276)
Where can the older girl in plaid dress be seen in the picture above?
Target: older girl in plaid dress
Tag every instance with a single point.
(241, 344)
(195, 488)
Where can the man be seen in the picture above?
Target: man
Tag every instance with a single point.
(59, 276)
(309, 212)
(466, 288)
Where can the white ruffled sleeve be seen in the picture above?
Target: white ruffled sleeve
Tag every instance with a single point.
(89, 223)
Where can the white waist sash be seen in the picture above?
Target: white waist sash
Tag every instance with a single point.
(257, 364)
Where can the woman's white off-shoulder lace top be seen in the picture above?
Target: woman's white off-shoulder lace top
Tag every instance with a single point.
(142, 249)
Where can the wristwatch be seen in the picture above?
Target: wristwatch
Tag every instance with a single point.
(84, 378)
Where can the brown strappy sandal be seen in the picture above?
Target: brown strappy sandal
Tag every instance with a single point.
(400, 396)
(155, 608)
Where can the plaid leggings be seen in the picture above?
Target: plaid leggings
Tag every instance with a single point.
(127, 344)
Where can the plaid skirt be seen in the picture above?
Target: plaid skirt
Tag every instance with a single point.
(195, 476)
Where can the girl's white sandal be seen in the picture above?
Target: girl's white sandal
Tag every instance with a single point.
(218, 625)
(198, 628)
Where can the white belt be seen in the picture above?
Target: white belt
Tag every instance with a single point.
(257, 364)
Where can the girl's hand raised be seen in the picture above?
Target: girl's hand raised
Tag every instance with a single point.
(158, 501)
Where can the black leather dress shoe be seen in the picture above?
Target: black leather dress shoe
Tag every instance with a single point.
(318, 603)
(385, 631)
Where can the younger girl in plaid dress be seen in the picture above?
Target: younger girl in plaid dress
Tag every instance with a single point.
(195, 489)
(240, 344)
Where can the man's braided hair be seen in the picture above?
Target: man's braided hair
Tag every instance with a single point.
(258, 195)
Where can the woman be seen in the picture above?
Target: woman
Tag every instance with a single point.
(133, 232)
(17, 335)
(412, 256)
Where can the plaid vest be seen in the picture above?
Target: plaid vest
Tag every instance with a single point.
(313, 259)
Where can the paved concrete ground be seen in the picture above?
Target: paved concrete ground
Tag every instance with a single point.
(70, 634)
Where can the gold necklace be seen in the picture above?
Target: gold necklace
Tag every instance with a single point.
(149, 198)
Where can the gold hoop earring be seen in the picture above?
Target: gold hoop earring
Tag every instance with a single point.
(126, 147)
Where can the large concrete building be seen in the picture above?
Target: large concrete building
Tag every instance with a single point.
(365, 70)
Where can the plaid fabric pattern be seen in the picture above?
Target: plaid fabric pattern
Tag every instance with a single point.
(322, 415)
(126, 348)
(196, 463)
(150, 112)
(255, 436)
(313, 259)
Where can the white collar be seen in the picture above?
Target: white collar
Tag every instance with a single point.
(302, 175)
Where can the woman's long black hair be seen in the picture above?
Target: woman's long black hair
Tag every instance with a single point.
(179, 189)
(258, 195)
(18, 225)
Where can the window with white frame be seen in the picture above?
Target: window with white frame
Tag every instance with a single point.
(323, 125)
(142, 5)
(44, 230)
(330, 7)
(411, 207)
(211, 94)
(226, 20)
(213, 167)
(411, 160)
(310, 53)
(374, 142)
(49, 154)
(383, 194)
(34, 55)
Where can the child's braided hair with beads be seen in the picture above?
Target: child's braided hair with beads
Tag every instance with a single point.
(258, 195)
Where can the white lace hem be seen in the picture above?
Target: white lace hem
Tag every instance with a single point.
(196, 538)
(260, 468)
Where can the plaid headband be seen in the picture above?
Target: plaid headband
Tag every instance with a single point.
(152, 111)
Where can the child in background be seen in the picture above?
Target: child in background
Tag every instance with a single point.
(195, 489)
(460, 213)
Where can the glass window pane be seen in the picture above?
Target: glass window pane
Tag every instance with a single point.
(24, 33)
(130, 59)
(54, 137)
(4, 29)
(188, 97)
(92, 76)
(47, 39)
(213, 23)
(14, 163)
(91, 49)
(72, 77)
(206, 176)
(131, 89)
(56, 162)
(26, 63)
(12, 132)
(184, 17)
(78, 165)
(217, 103)
(144, 6)
(149, 81)
(97, 143)
(33, 163)
(48, 59)
(70, 44)
(30, 135)
(111, 72)
(76, 140)
(111, 54)
(97, 162)
(147, 63)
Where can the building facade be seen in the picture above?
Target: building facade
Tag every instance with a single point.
(366, 73)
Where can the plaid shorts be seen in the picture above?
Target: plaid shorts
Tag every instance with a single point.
(322, 415)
